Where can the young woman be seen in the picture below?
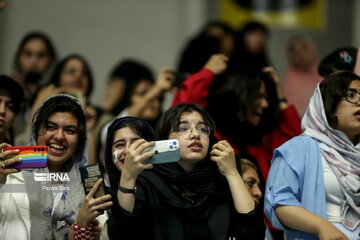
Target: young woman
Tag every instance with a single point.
(28, 208)
(200, 197)
(313, 187)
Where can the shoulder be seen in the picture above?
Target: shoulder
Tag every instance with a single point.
(297, 144)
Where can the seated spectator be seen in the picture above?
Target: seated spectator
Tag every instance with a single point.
(200, 197)
(341, 59)
(37, 213)
(301, 74)
(313, 186)
(11, 98)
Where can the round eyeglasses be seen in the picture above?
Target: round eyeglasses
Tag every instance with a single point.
(202, 129)
(352, 96)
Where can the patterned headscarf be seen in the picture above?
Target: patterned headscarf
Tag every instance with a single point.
(341, 154)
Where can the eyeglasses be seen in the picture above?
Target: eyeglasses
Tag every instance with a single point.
(352, 96)
(202, 129)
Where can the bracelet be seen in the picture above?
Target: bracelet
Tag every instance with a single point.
(83, 232)
(282, 100)
(127, 190)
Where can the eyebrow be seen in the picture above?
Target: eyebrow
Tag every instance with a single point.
(67, 126)
(123, 140)
(200, 122)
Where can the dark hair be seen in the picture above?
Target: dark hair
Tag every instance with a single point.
(14, 89)
(332, 88)
(55, 76)
(343, 58)
(170, 120)
(197, 52)
(61, 103)
(31, 36)
(240, 89)
(137, 125)
(132, 72)
(242, 57)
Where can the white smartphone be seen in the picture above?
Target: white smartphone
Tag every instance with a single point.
(165, 151)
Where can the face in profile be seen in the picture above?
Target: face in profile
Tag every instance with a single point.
(123, 137)
(152, 109)
(74, 77)
(255, 109)
(252, 182)
(34, 57)
(60, 133)
(348, 114)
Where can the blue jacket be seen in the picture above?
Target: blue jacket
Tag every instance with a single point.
(296, 178)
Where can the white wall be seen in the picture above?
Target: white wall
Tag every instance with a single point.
(104, 31)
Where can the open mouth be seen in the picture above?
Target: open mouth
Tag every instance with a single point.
(56, 147)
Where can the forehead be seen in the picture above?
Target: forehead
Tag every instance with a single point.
(193, 116)
(125, 132)
(5, 93)
(355, 84)
(74, 62)
(35, 44)
(63, 119)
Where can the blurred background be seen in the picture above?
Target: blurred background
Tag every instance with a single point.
(156, 31)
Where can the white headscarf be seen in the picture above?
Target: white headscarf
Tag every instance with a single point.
(341, 154)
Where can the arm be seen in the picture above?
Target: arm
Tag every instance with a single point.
(133, 166)
(163, 83)
(285, 204)
(196, 87)
(223, 154)
(301, 219)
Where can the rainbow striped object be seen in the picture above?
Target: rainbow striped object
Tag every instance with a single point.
(32, 156)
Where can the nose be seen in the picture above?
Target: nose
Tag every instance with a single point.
(194, 133)
(59, 134)
(2, 108)
(264, 103)
(256, 193)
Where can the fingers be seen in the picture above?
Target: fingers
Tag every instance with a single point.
(94, 188)
(2, 145)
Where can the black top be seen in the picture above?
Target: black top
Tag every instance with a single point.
(154, 218)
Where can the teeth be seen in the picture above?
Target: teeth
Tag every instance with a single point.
(57, 147)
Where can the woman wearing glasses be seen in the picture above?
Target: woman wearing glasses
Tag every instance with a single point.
(313, 186)
(200, 197)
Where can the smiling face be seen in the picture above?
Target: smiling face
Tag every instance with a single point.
(255, 110)
(7, 114)
(348, 115)
(60, 134)
(123, 137)
(193, 145)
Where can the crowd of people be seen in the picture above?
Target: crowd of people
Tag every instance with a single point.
(260, 157)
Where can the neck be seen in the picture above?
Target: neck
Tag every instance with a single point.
(54, 168)
(186, 166)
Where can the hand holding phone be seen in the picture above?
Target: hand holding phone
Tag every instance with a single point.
(32, 156)
(90, 174)
(165, 151)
